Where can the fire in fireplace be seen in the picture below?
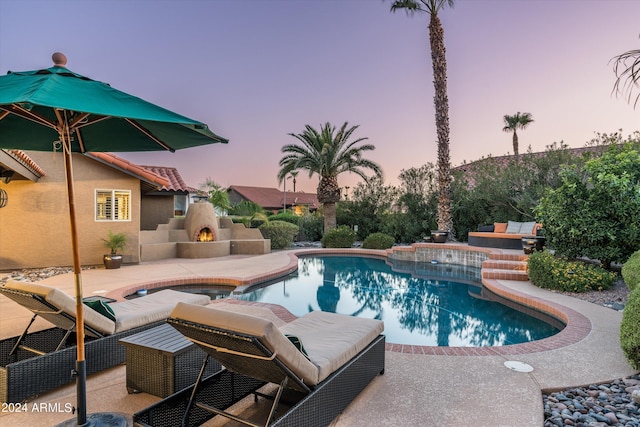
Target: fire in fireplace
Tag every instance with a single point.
(205, 235)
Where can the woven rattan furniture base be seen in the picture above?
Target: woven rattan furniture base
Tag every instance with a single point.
(25, 374)
(317, 409)
(161, 361)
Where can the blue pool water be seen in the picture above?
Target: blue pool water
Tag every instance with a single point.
(420, 304)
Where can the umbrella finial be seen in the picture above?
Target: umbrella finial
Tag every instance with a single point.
(59, 59)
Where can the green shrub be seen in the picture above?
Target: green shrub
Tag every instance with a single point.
(550, 272)
(630, 329)
(281, 233)
(595, 212)
(341, 237)
(311, 227)
(285, 216)
(378, 241)
(631, 271)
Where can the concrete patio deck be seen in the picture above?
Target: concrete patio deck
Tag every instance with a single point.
(417, 388)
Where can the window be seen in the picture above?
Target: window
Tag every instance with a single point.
(113, 205)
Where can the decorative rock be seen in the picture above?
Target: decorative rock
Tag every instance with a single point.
(612, 418)
(613, 404)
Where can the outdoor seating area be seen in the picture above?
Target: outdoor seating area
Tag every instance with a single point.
(336, 356)
(33, 363)
(503, 235)
(456, 387)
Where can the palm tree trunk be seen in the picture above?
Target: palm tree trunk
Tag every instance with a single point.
(515, 144)
(441, 102)
(329, 213)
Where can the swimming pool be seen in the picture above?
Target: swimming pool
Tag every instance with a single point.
(421, 303)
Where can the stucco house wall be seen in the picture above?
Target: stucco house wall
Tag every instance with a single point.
(156, 209)
(34, 226)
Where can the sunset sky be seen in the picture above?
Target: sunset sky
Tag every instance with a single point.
(257, 70)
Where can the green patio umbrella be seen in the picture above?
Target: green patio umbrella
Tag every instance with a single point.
(57, 109)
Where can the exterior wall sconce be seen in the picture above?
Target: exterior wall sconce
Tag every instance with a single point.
(4, 198)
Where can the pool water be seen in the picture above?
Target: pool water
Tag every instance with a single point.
(420, 304)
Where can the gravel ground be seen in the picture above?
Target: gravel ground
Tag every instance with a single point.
(597, 405)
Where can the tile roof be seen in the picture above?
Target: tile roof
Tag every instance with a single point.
(176, 183)
(130, 168)
(26, 161)
(273, 197)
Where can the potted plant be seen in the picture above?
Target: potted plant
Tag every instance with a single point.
(116, 242)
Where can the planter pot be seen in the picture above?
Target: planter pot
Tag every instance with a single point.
(532, 243)
(439, 236)
(112, 261)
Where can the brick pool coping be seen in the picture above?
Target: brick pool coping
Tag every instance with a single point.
(577, 326)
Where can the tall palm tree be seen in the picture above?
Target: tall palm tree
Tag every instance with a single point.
(627, 69)
(294, 174)
(327, 153)
(515, 122)
(440, 99)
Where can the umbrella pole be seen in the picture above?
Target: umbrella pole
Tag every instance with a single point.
(81, 369)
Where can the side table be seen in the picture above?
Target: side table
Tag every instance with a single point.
(161, 361)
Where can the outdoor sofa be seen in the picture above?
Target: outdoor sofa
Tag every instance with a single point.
(37, 362)
(503, 235)
(320, 361)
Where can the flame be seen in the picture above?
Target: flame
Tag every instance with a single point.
(205, 235)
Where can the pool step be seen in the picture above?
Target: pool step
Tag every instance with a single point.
(505, 266)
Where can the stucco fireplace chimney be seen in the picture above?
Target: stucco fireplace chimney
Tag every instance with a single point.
(201, 222)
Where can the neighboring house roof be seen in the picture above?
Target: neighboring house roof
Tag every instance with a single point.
(176, 183)
(273, 198)
(129, 168)
(19, 162)
(504, 160)
(469, 169)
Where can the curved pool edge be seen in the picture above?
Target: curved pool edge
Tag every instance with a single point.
(577, 326)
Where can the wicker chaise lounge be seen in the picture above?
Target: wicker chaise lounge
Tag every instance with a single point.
(340, 356)
(37, 362)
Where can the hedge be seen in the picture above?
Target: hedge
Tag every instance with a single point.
(341, 237)
(550, 272)
(631, 271)
(281, 233)
(378, 241)
(630, 329)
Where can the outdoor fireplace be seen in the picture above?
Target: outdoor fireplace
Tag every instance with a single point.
(201, 223)
(205, 235)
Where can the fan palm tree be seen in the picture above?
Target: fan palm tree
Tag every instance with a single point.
(327, 153)
(627, 69)
(440, 99)
(515, 122)
(217, 195)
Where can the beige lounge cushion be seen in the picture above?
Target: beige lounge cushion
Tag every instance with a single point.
(151, 308)
(331, 340)
(66, 304)
(261, 328)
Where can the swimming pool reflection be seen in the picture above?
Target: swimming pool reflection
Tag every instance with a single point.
(423, 304)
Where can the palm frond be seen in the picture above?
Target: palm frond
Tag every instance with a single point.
(627, 69)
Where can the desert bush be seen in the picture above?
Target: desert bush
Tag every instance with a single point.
(551, 272)
(630, 329)
(281, 233)
(340, 237)
(287, 216)
(378, 241)
(631, 271)
(311, 227)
